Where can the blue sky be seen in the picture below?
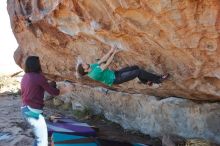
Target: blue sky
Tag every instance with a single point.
(8, 43)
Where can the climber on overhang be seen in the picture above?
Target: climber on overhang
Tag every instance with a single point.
(100, 72)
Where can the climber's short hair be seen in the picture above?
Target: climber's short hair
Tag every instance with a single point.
(32, 64)
(81, 70)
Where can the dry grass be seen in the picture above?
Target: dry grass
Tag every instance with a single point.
(198, 142)
(9, 85)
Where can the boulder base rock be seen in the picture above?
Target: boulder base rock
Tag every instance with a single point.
(161, 36)
(149, 114)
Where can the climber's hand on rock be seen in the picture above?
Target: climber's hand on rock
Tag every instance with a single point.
(112, 49)
(116, 50)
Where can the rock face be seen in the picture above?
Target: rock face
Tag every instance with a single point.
(150, 115)
(178, 37)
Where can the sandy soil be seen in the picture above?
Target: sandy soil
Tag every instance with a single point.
(13, 130)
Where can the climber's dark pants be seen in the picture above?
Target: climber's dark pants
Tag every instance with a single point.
(130, 73)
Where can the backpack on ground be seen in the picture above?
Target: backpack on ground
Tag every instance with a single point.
(67, 125)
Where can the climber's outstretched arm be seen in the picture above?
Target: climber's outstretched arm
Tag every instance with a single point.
(106, 57)
(105, 65)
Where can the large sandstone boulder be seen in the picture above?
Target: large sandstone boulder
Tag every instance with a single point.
(178, 37)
